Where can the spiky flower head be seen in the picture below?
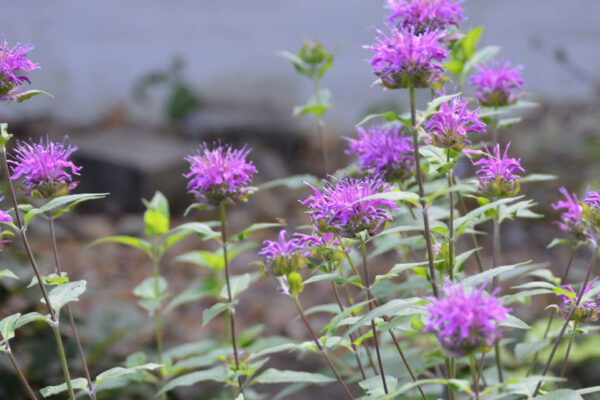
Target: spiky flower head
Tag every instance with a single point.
(587, 310)
(451, 124)
(496, 83)
(220, 174)
(405, 58)
(340, 206)
(45, 167)
(498, 174)
(590, 211)
(465, 322)
(283, 260)
(384, 150)
(425, 15)
(571, 219)
(13, 64)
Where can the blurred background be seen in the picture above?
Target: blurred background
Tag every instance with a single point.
(137, 85)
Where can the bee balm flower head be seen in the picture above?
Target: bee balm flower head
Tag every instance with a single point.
(219, 175)
(425, 14)
(45, 167)
(496, 83)
(498, 173)
(13, 64)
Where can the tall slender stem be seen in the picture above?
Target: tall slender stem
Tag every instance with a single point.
(450, 220)
(568, 319)
(417, 157)
(63, 362)
(321, 129)
(158, 312)
(15, 365)
(229, 296)
(354, 348)
(41, 283)
(495, 256)
(320, 347)
(68, 308)
(371, 305)
(567, 353)
(563, 280)
(475, 376)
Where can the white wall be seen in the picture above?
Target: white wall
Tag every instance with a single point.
(92, 51)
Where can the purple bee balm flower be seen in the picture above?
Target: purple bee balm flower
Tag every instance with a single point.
(571, 219)
(283, 258)
(283, 248)
(384, 150)
(590, 211)
(496, 83)
(324, 247)
(339, 207)
(464, 323)
(451, 124)
(587, 310)
(425, 14)
(498, 173)
(13, 63)
(220, 175)
(45, 167)
(405, 58)
(4, 217)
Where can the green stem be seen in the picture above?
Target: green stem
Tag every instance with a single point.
(451, 220)
(567, 353)
(449, 376)
(321, 350)
(568, 319)
(475, 376)
(63, 361)
(371, 306)
(230, 297)
(57, 264)
(495, 256)
(321, 129)
(417, 157)
(156, 257)
(15, 365)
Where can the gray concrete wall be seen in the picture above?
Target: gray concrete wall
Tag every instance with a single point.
(91, 52)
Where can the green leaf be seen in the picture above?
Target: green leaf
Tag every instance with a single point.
(291, 182)
(486, 276)
(389, 116)
(514, 322)
(8, 326)
(77, 383)
(525, 349)
(31, 317)
(203, 230)
(478, 215)
(26, 95)
(215, 310)
(127, 241)
(218, 374)
(316, 105)
(66, 293)
(156, 217)
(562, 394)
(589, 390)
(434, 104)
(62, 204)
(150, 299)
(274, 376)
(4, 135)
(7, 273)
(238, 237)
(538, 178)
(394, 195)
(51, 280)
(208, 259)
(118, 372)
(469, 43)
(238, 285)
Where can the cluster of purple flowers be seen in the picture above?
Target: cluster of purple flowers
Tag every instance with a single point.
(384, 150)
(498, 174)
(581, 219)
(13, 63)
(220, 175)
(45, 167)
(465, 322)
(405, 59)
(451, 124)
(571, 219)
(425, 15)
(586, 310)
(341, 207)
(496, 83)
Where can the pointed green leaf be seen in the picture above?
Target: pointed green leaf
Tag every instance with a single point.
(218, 374)
(238, 285)
(118, 372)
(66, 293)
(215, 310)
(254, 227)
(7, 273)
(77, 384)
(8, 326)
(31, 317)
(127, 241)
(273, 376)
